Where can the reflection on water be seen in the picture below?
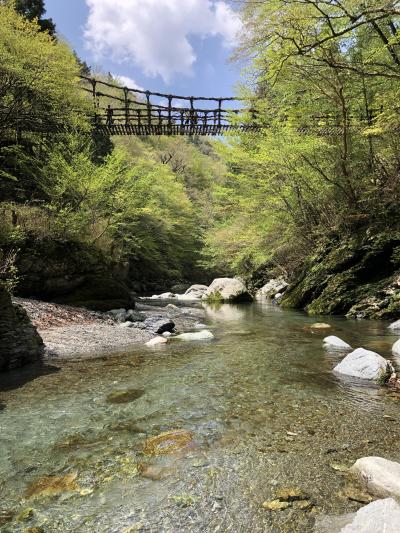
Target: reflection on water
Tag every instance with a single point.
(261, 403)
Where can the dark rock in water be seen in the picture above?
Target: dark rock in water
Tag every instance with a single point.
(125, 396)
(6, 515)
(20, 343)
(158, 324)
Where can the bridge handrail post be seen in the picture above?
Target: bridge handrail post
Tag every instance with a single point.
(170, 97)
(126, 98)
(219, 111)
(93, 81)
(148, 108)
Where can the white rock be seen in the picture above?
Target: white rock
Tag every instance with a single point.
(167, 334)
(395, 325)
(380, 476)
(396, 348)
(335, 343)
(200, 326)
(382, 516)
(363, 364)
(273, 287)
(197, 336)
(228, 290)
(156, 341)
(195, 292)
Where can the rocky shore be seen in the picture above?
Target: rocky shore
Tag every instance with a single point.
(73, 332)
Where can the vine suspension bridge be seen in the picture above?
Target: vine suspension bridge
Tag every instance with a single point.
(124, 111)
(120, 110)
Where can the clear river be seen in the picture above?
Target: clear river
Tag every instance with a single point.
(262, 406)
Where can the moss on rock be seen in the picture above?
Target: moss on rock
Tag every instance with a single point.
(357, 277)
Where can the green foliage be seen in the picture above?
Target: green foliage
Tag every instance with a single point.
(34, 9)
(326, 165)
(38, 77)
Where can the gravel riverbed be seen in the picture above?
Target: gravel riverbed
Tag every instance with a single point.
(71, 332)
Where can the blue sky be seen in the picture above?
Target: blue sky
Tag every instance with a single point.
(172, 46)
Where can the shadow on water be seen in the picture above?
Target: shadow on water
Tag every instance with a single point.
(14, 379)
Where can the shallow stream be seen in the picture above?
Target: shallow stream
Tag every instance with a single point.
(262, 405)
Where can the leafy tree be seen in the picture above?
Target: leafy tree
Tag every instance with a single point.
(34, 9)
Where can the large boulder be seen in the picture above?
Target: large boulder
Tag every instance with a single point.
(272, 288)
(365, 364)
(227, 290)
(380, 476)
(395, 326)
(381, 516)
(396, 348)
(196, 291)
(20, 343)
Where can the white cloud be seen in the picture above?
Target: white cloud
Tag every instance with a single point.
(127, 82)
(154, 33)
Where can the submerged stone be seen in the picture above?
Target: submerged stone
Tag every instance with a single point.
(320, 325)
(26, 514)
(126, 396)
(275, 505)
(290, 494)
(303, 505)
(197, 336)
(52, 486)
(168, 442)
(6, 515)
(154, 472)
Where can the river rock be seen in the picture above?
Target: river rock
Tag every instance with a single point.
(380, 476)
(395, 325)
(180, 288)
(227, 290)
(158, 324)
(135, 316)
(380, 516)
(125, 396)
(320, 325)
(49, 486)
(364, 364)
(272, 288)
(168, 442)
(156, 341)
(196, 336)
(334, 343)
(196, 291)
(396, 348)
(275, 505)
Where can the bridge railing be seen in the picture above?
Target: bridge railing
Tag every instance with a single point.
(119, 108)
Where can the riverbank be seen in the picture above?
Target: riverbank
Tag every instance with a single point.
(72, 332)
